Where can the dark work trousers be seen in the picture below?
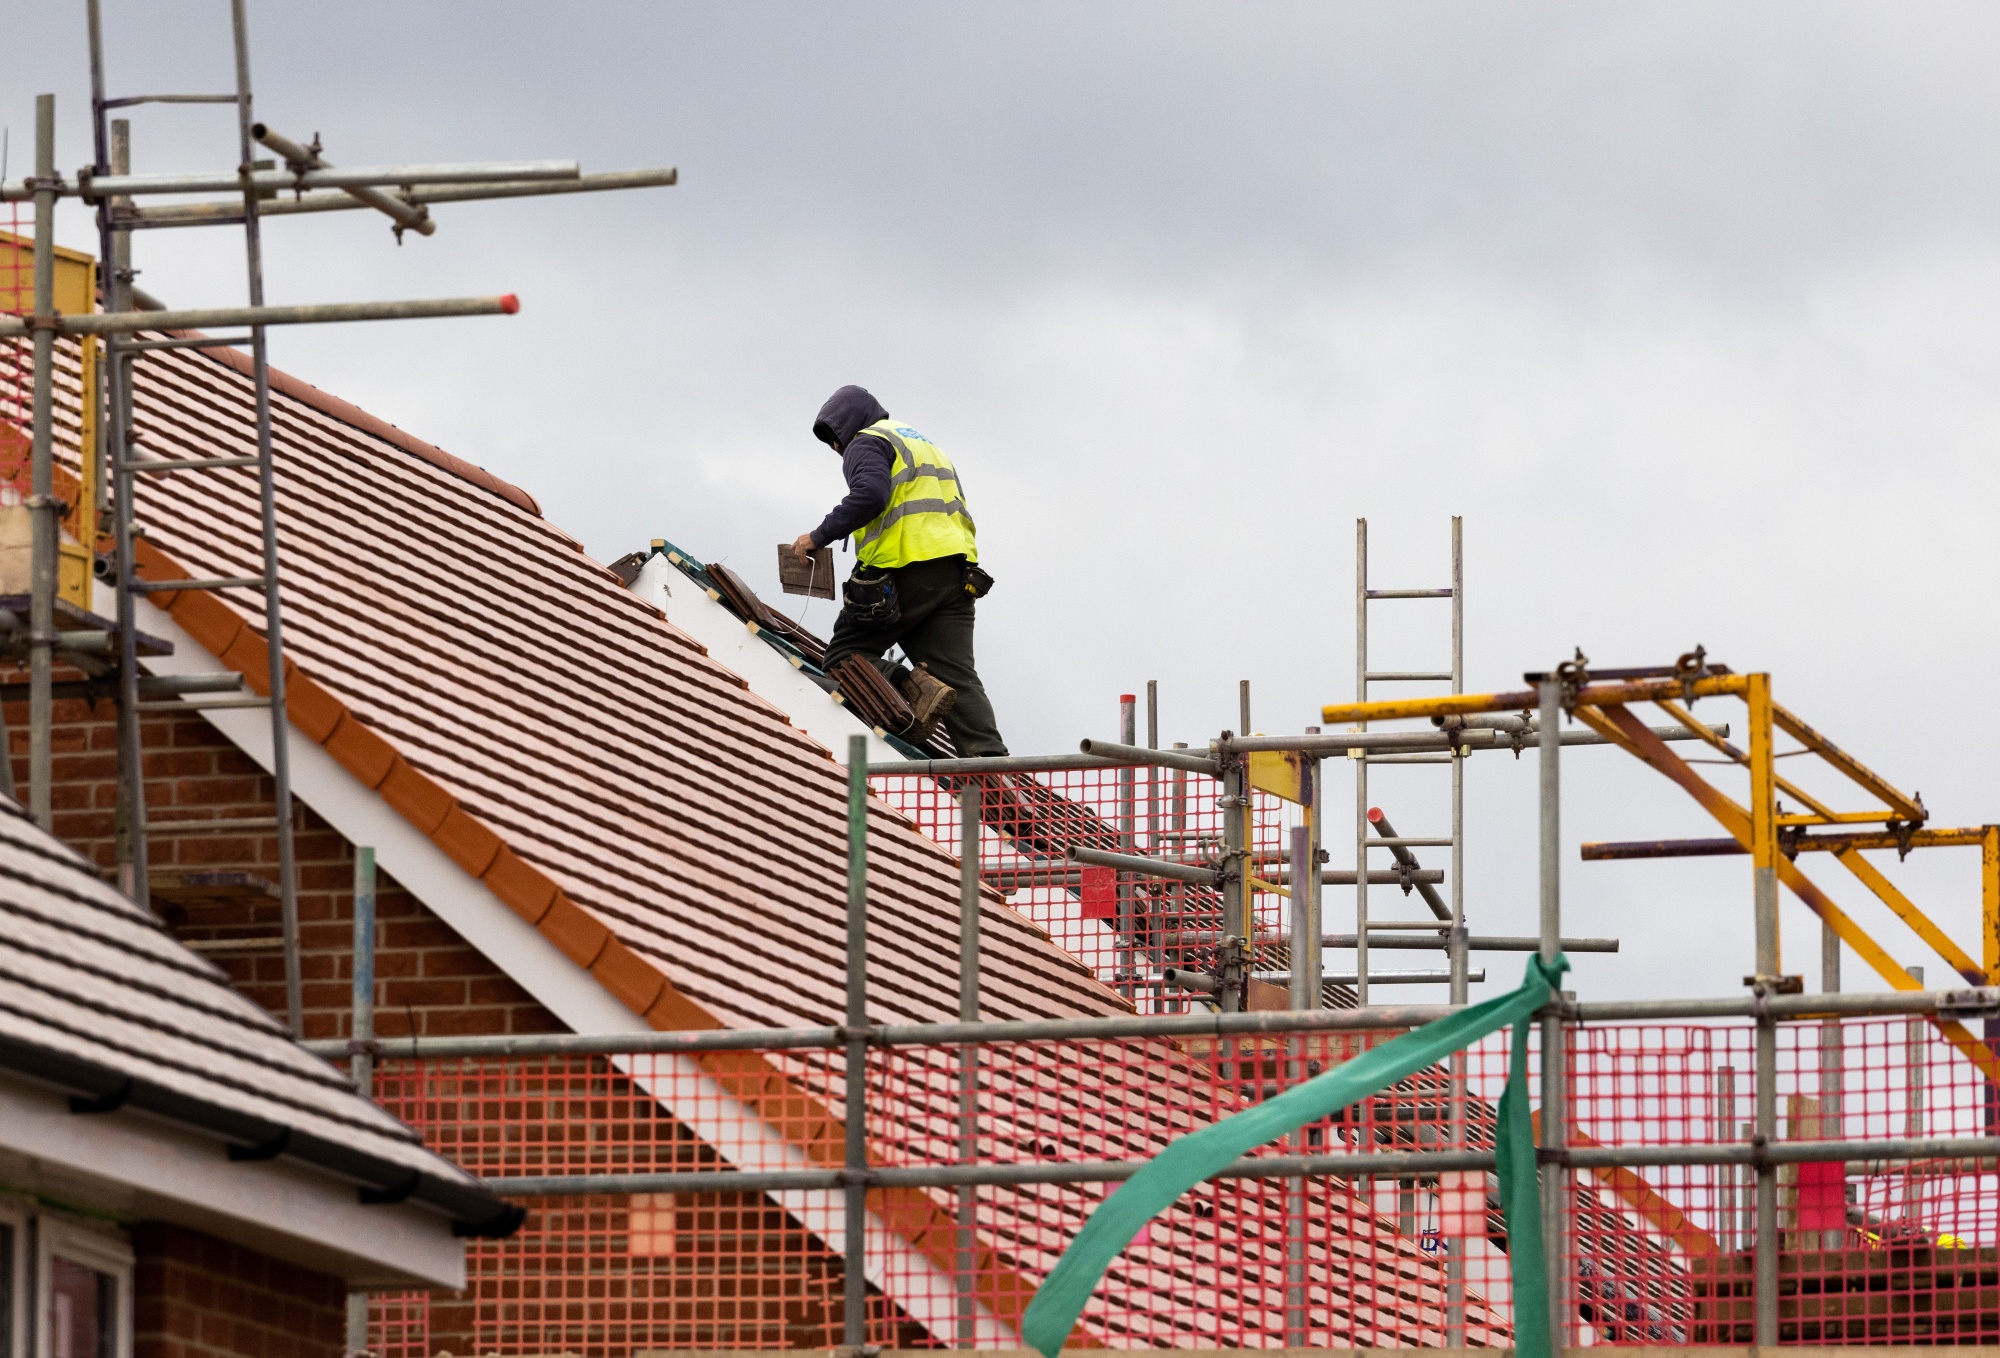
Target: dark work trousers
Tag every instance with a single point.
(935, 631)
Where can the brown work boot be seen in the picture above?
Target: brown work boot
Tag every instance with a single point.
(929, 698)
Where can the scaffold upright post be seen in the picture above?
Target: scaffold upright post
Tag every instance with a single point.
(42, 486)
(1303, 983)
(971, 793)
(113, 143)
(1126, 925)
(854, 1265)
(1764, 895)
(361, 1038)
(1460, 992)
(1832, 1057)
(1235, 856)
(1555, 1186)
(1361, 766)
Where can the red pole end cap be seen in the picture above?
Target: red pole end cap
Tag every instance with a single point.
(1128, 697)
(510, 304)
(1374, 814)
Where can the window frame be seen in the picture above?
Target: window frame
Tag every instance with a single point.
(19, 1215)
(95, 1247)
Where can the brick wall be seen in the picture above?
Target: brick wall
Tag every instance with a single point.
(427, 977)
(194, 1296)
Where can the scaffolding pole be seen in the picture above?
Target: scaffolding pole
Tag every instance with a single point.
(42, 504)
(854, 1243)
(1555, 1182)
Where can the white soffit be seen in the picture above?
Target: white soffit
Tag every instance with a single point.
(148, 1169)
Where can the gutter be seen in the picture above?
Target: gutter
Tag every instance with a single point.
(94, 1087)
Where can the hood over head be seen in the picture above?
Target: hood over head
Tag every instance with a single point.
(846, 413)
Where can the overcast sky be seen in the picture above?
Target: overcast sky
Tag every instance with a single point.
(1688, 308)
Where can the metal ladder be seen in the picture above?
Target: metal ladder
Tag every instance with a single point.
(1401, 846)
(112, 147)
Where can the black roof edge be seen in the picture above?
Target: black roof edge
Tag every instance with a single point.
(475, 1212)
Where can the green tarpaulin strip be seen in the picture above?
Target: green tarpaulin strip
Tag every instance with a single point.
(1201, 1154)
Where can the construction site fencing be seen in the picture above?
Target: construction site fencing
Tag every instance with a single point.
(985, 1158)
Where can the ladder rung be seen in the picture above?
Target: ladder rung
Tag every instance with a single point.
(196, 827)
(260, 943)
(222, 582)
(187, 464)
(195, 705)
(1407, 759)
(1405, 842)
(131, 99)
(1408, 593)
(1410, 676)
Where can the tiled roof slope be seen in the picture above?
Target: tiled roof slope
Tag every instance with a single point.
(659, 822)
(98, 999)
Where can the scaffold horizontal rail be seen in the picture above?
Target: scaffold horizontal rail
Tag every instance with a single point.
(116, 322)
(1954, 837)
(1523, 700)
(92, 187)
(1785, 1008)
(1474, 739)
(229, 213)
(1473, 942)
(1353, 1165)
(1146, 867)
(945, 1176)
(1134, 754)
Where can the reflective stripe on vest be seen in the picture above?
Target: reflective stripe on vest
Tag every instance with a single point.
(926, 516)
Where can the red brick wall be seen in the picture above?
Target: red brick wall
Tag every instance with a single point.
(427, 977)
(194, 1296)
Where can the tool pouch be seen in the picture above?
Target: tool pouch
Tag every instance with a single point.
(977, 582)
(871, 600)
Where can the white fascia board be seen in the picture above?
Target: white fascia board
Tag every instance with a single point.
(568, 991)
(731, 644)
(142, 1168)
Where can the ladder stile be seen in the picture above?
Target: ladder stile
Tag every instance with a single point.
(274, 636)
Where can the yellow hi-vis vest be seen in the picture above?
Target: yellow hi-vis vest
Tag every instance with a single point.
(925, 517)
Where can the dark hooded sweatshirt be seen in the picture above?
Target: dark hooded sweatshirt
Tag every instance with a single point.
(864, 461)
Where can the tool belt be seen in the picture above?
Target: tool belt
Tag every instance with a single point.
(977, 582)
(871, 600)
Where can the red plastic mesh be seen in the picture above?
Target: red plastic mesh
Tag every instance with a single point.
(1030, 821)
(399, 1325)
(619, 1274)
(1870, 1251)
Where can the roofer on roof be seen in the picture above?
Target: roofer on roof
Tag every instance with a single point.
(916, 572)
